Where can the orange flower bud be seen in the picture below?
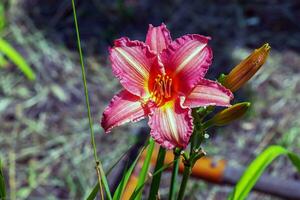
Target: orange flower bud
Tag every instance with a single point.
(228, 115)
(247, 68)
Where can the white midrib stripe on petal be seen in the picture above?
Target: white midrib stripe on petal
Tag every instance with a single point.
(133, 62)
(129, 107)
(216, 94)
(189, 58)
(172, 123)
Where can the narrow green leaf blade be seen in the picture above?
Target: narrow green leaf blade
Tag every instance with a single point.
(95, 190)
(257, 167)
(17, 59)
(295, 160)
(157, 172)
(120, 189)
(2, 183)
(144, 170)
(105, 182)
(156, 179)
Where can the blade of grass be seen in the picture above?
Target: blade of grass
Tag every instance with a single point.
(3, 61)
(138, 189)
(2, 184)
(145, 167)
(257, 167)
(2, 17)
(156, 180)
(95, 190)
(100, 173)
(120, 189)
(125, 178)
(17, 59)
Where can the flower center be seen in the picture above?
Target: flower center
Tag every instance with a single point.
(162, 89)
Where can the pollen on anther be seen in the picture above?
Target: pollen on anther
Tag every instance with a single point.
(162, 89)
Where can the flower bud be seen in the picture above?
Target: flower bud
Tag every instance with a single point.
(228, 115)
(247, 68)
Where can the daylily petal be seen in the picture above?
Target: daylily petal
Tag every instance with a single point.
(156, 69)
(171, 125)
(207, 93)
(187, 59)
(124, 107)
(131, 63)
(158, 38)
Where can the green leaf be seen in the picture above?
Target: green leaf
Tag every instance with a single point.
(104, 181)
(295, 160)
(145, 167)
(2, 17)
(157, 172)
(17, 59)
(257, 167)
(3, 61)
(156, 180)
(2, 183)
(120, 189)
(95, 190)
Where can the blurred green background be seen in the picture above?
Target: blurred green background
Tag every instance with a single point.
(44, 137)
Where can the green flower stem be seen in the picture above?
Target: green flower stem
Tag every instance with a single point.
(156, 179)
(100, 173)
(185, 178)
(198, 132)
(207, 124)
(174, 174)
(195, 152)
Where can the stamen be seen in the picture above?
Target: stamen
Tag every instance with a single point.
(170, 88)
(162, 89)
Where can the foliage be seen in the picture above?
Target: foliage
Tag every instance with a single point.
(127, 173)
(145, 167)
(257, 167)
(17, 59)
(2, 183)
(2, 16)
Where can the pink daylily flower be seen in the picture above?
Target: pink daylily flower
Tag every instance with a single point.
(163, 79)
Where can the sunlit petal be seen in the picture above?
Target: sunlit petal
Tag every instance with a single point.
(131, 63)
(158, 38)
(171, 125)
(187, 59)
(124, 107)
(207, 93)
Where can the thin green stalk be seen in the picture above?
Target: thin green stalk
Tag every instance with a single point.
(185, 178)
(195, 154)
(156, 179)
(99, 169)
(174, 175)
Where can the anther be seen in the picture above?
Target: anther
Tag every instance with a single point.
(162, 89)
